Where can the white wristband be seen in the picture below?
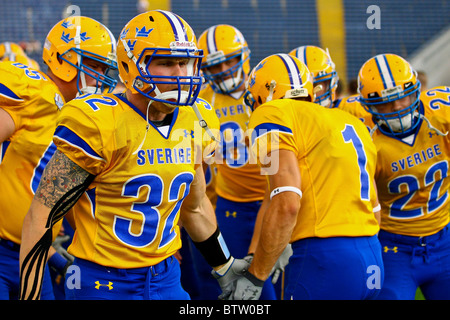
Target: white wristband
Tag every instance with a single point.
(284, 189)
(377, 208)
(225, 267)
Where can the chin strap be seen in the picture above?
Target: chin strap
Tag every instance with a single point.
(421, 116)
(375, 127)
(203, 123)
(77, 40)
(146, 129)
(273, 84)
(430, 126)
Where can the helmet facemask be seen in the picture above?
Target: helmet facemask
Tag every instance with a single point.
(227, 81)
(75, 48)
(396, 123)
(188, 87)
(104, 82)
(326, 99)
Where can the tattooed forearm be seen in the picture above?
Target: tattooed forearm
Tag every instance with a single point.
(60, 175)
(61, 185)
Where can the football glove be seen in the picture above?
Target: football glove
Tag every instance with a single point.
(235, 269)
(248, 287)
(281, 263)
(61, 259)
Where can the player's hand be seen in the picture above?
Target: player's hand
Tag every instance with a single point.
(227, 280)
(281, 263)
(61, 259)
(248, 287)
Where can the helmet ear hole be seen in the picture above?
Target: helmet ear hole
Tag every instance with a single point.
(259, 100)
(125, 66)
(58, 57)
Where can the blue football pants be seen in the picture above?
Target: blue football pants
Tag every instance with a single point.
(340, 268)
(10, 274)
(86, 280)
(412, 262)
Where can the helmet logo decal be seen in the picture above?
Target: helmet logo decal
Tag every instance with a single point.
(124, 33)
(253, 78)
(66, 24)
(389, 91)
(66, 37)
(131, 44)
(143, 32)
(259, 66)
(182, 45)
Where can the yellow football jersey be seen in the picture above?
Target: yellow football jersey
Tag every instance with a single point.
(336, 157)
(352, 105)
(238, 178)
(128, 216)
(31, 98)
(412, 174)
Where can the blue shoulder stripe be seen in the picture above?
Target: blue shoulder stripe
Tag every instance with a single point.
(74, 140)
(8, 93)
(3, 146)
(264, 128)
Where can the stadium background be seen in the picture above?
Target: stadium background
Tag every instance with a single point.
(406, 28)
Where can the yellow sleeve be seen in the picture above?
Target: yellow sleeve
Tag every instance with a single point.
(271, 128)
(78, 136)
(15, 92)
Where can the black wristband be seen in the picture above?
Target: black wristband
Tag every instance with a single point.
(250, 277)
(214, 249)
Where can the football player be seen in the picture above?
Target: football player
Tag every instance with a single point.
(238, 183)
(323, 70)
(10, 51)
(326, 81)
(352, 105)
(411, 136)
(30, 101)
(130, 164)
(309, 153)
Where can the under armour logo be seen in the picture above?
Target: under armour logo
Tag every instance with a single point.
(250, 294)
(430, 133)
(386, 249)
(227, 214)
(186, 133)
(98, 285)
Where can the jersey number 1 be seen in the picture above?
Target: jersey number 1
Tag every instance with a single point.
(350, 135)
